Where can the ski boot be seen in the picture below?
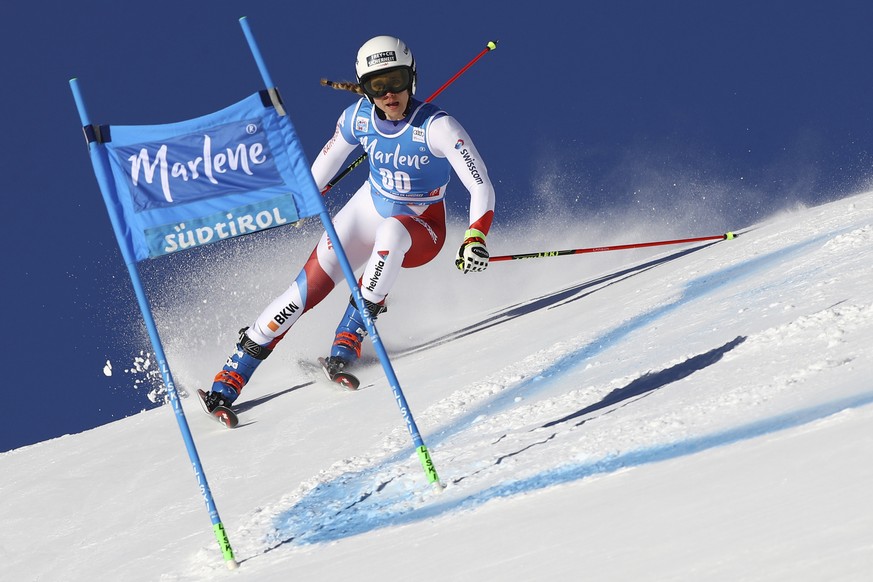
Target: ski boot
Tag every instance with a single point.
(237, 371)
(347, 344)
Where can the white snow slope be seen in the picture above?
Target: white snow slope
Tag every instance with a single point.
(696, 412)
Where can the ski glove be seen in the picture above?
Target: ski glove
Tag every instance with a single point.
(472, 256)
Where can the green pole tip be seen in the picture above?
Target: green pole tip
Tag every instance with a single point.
(729, 236)
(492, 44)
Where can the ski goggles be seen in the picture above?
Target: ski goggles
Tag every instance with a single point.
(391, 81)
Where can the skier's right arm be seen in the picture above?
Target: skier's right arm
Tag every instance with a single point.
(334, 153)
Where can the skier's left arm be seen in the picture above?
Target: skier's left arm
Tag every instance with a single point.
(449, 139)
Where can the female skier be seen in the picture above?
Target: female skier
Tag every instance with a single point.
(397, 218)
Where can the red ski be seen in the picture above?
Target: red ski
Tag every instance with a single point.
(222, 414)
(349, 381)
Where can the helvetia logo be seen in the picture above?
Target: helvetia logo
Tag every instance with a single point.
(383, 256)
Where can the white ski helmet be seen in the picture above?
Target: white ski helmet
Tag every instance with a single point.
(382, 53)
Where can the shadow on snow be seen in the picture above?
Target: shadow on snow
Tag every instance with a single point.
(572, 360)
(652, 381)
(332, 510)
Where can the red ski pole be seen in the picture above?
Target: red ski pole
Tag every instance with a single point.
(726, 236)
(492, 44)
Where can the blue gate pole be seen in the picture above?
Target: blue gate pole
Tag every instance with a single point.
(103, 173)
(423, 454)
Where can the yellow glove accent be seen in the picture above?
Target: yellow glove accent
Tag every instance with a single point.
(472, 256)
(474, 233)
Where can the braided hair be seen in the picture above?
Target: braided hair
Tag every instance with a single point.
(343, 86)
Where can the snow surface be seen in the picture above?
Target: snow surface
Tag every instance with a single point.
(696, 412)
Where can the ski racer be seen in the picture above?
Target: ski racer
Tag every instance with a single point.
(396, 219)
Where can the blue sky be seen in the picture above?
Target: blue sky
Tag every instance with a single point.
(722, 112)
